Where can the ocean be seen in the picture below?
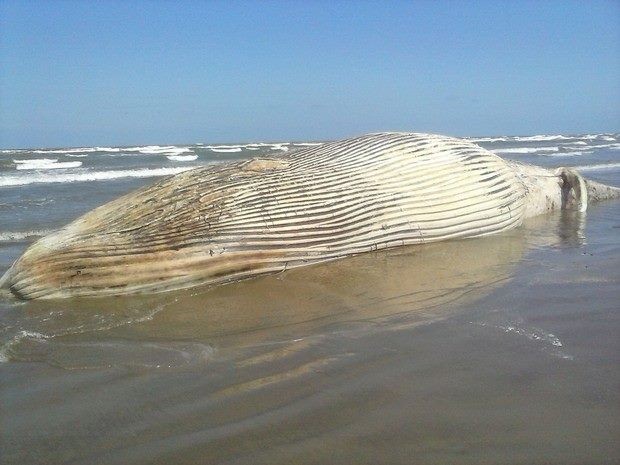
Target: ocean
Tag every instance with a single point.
(502, 349)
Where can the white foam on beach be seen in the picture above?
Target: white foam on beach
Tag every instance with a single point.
(8, 181)
(550, 340)
(307, 144)
(534, 334)
(5, 349)
(16, 236)
(182, 157)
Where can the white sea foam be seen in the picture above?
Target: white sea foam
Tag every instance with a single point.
(488, 139)
(76, 150)
(16, 236)
(535, 334)
(258, 145)
(307, 144)
(615, 146)
(566, 154)
(255, 146)
(62, 151)
(39, 161)
(182, 157)
(526, 149)
(598, 167)
(225, 149)
(8, 181)
(38, 165)
(551, 342)
(5, 349)
(178, 151)
(159, 150)
(282, 147)
(542, 137)
(606, 137)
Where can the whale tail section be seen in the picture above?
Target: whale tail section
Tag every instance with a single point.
(578, 192)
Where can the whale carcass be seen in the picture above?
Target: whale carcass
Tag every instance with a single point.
(222, 223)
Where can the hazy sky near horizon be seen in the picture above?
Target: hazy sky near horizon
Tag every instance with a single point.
(137, 72)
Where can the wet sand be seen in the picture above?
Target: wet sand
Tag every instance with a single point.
(495, 350)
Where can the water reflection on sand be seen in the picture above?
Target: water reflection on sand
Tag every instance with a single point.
(402, 286)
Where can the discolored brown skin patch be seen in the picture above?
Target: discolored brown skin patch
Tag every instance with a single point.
(264, 164)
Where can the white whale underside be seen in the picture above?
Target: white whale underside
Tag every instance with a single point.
(218, 224)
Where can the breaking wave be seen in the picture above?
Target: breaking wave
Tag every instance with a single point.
(182, 157)
(224, 149)
(45, 164)
(526, 149)
(541, 137)
(8, 181)
(159, 150)
(598, 167)
(19, 236)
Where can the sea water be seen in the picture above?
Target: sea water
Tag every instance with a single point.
(495, 350)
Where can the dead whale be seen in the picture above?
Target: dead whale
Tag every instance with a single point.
(223, 223)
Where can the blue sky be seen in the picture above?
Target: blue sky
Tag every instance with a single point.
(131, 72)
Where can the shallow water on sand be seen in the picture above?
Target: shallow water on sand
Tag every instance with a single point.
(495, 350)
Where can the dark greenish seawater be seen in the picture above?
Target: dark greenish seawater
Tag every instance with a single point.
(502, 349)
